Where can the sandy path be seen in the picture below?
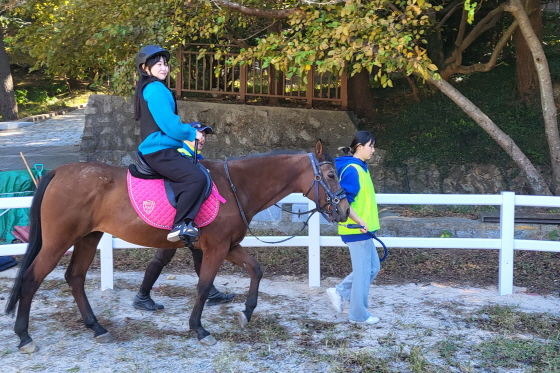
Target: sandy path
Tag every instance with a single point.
(294, 329)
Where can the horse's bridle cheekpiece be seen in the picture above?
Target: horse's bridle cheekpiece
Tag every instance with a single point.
(332, 199)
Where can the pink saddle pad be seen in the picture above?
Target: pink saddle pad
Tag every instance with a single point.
(150, 201)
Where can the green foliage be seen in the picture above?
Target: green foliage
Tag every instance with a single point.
(436, 130)
(101, 38)
(350, 36)
(21, 96)
(551, 43)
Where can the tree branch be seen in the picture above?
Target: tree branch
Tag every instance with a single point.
(451, 6)
(447, 15)
(484, 25)
(534, 177)
(482, 67)
(550, 113)
(262, 13)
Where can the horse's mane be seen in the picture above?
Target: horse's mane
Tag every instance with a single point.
(268, 154)
(271, 153)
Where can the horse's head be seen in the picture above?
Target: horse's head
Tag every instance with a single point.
(325, 189)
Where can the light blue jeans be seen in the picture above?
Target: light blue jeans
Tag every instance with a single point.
(355, 287)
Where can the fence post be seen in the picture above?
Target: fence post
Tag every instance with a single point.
(507, 227)
(314, 242)
(344, 90)
(310, 91)
(106, 261)
(179, 78)
(243, 77)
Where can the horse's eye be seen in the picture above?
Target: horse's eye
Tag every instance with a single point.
(331, 175)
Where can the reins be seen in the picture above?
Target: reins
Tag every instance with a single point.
(331, 198)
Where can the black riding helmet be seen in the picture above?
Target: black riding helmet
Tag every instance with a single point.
(149, 51)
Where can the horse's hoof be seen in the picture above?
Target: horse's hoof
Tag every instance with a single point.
(104, 338)
(242, 319)
(29, 348)
(208, 341)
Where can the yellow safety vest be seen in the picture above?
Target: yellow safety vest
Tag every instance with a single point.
(364, 203)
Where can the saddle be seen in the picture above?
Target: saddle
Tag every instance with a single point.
(143, 171)
(154, 201)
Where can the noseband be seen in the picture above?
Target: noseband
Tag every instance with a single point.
(332, 199)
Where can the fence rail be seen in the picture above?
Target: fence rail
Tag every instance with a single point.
(506, 244)
(197, 74)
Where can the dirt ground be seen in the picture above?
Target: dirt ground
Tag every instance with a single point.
(425, 327)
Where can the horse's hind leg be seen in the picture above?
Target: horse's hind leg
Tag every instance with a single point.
(84, 252)
(237, 255)
(44, 263)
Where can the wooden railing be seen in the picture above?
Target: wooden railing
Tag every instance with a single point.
(208, 74)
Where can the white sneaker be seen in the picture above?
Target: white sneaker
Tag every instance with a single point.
(336, 299)
(370, 320)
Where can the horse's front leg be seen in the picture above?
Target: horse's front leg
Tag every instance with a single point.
(211, 262)
(237, 255)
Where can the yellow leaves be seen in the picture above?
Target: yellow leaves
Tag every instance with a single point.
(432, 67)
(307, 67)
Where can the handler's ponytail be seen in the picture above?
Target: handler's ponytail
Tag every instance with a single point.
(360, 138)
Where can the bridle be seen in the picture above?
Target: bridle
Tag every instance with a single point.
(332, 199)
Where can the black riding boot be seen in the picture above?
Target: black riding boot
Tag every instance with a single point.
(142, 300)
(217, 297)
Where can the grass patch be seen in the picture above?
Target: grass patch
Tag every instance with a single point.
(361, 361)
(502, 319)
(540, 356)
(133, 329)
(176, 291)
(262, 329)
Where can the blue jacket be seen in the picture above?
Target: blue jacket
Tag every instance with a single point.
(162, 107)
(351, 183)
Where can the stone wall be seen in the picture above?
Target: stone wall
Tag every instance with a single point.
(417, 176)
(111, 135)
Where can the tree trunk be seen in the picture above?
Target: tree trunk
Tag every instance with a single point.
(550, 113)
(360, 99)
(536, 181)
(527, 79)
(8, 104)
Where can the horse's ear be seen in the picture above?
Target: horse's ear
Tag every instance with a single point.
(319, 149)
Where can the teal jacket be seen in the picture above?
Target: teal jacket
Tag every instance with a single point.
(162, 107)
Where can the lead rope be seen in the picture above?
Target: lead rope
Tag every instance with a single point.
(242, 213)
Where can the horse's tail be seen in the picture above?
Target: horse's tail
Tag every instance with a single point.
(35, 241)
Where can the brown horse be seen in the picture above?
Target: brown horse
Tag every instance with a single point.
(74, 204)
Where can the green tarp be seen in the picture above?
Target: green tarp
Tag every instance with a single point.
(14, 184)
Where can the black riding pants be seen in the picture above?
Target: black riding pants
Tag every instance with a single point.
(187, 181)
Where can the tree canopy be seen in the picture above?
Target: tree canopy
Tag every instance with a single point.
(72, 37)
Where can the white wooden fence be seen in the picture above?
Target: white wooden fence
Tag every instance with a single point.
(506, 244)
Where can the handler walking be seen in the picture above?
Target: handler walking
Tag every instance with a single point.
(356, 180)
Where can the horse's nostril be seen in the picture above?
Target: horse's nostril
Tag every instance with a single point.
(348, 212)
